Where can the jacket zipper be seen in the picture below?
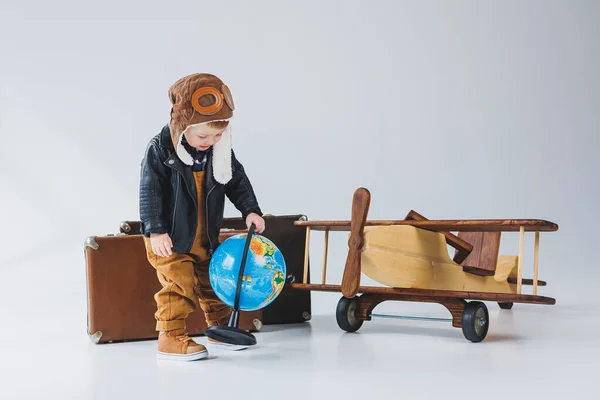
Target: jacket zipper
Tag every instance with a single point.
(210, 251)
(175, 207)
(194, 200)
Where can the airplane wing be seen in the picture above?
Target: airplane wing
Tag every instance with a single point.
(460, 225)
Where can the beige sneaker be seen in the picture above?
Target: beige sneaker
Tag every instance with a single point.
(177, 345)
(225, 346)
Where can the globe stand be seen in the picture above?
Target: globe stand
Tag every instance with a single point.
(231, 333)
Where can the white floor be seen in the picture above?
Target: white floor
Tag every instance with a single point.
(531, 352)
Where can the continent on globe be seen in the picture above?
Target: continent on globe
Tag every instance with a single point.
(277, 282)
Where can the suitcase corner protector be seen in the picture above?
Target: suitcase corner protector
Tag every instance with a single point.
(95, 337)
(90, 241)
(258, 325)
(303, 218)
(306, 315)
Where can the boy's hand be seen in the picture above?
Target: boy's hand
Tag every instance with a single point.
(161, 244)
(257, 220)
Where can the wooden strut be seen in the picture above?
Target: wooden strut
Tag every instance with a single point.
(536, 252)
(520, 266)
(367, 302)
(324, 277)
(306, 252)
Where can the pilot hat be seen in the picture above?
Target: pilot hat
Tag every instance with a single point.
(199, 99)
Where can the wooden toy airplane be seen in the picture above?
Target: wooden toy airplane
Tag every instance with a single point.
(411, 259)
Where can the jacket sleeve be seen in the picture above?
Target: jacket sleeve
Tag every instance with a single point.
(240, 191)
(153, 178)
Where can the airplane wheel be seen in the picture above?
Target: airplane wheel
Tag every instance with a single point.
(345, 314)
(475, 321)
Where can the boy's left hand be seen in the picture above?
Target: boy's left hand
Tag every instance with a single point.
(257, 220)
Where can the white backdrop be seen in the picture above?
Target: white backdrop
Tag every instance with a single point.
(464, 109)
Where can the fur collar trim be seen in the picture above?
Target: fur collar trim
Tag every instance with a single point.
(221, 160)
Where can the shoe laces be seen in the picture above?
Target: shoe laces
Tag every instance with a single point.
(184, 338)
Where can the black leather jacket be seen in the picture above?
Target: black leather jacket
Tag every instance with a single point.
(168, 197)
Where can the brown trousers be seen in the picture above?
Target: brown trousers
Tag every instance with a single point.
(184, 279)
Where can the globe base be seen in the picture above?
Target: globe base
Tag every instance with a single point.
(231, 335)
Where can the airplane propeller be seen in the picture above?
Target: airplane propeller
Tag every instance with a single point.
(360, 207)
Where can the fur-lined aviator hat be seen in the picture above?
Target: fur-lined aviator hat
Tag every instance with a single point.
(199, 99)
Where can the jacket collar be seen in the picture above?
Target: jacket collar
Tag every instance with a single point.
(221, 169)
(173, 161)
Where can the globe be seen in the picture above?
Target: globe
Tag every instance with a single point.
(264, 272)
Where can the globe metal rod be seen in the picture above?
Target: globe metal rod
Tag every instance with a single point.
(238, 290)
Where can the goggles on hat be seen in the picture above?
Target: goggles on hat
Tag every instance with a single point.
(223, 96)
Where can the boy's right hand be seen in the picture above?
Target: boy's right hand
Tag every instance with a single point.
(161, 244)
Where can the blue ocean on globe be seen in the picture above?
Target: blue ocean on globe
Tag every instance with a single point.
(264, 273)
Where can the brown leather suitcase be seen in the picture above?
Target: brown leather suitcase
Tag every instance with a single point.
(121, 285)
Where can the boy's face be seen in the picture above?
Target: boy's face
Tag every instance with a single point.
(201, 137)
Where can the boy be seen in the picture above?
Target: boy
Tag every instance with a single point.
(187, 171)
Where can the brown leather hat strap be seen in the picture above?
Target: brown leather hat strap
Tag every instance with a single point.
(182, 106)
